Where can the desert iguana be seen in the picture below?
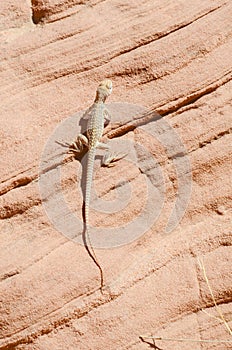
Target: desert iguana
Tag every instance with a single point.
(95, 126)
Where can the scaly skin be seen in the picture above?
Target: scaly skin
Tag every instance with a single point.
(95, 129)
(97, 114)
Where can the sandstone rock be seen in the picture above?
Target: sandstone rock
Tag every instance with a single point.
(159, 210)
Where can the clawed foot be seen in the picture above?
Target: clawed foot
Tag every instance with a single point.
(78, 145)
(75, 148)
(110, 159)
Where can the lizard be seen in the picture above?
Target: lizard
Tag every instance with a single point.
(95, 127)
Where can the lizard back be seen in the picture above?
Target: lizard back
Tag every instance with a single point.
(95, 124)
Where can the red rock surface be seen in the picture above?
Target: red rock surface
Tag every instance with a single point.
(172, 57)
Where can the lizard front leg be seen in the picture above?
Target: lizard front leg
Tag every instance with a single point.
(107, 117)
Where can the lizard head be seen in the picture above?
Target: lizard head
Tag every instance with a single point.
(104, 90)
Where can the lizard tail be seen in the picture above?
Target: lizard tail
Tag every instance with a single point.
(92, 254)
(86, 237)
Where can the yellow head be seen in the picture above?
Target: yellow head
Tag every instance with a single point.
(104, 90)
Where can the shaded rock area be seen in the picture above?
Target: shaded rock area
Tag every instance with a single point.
(156, 214)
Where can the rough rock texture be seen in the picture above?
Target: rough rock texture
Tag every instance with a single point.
(172, 57)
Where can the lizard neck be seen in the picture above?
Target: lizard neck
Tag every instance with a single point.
(100, 96)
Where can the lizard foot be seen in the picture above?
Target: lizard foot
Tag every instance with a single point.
(78, 145)
(110, 159)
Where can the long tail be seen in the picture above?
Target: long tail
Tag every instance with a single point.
(89, 177)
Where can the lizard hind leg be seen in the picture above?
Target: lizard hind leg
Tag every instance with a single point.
(110, 158)
(102, 145)
(78, 145)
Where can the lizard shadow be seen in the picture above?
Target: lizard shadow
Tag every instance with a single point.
(84, 160)
(80, 155)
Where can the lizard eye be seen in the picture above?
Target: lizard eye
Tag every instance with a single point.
(109, 86)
